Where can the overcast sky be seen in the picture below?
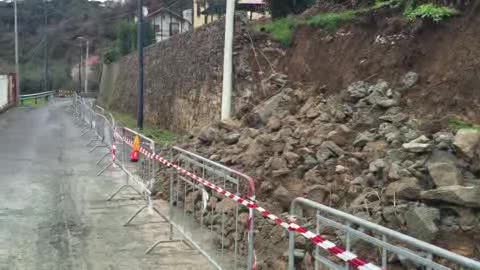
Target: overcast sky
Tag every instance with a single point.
(88, 0)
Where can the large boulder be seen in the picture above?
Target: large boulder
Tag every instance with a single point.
(409, 79)
(421, 222)
(405, 188)
(443, 169)
(264, 111)
(254, 153)
(381, 95)
(467, 141)
(419, 145)
(208, 135)
(340, 136)
(327, 150)
(274, 123)
(358, 90)
(283, 196)
(317, 193)
(460, 195)
(231, 138)
(363, 138)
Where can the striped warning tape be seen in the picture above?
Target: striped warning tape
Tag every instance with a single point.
(317, 240)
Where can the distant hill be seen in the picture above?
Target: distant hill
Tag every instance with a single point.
(66, 20)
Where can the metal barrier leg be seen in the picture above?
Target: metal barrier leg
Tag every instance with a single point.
(143, 208)
(120, 189)
(135, 215)
(151, 248)
(92, 141)
(85, 131)
(105, 168)
(103, 158)
(97, 146)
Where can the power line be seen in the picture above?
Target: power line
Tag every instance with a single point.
(34, 50)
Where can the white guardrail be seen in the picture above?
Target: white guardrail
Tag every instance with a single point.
(46, 95)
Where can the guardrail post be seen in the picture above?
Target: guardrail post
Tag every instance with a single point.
(251, 236)
(291, 240)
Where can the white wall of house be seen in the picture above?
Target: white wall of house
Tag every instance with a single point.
(167, 25)
(4, 90)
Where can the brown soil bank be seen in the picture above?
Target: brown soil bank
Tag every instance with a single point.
(446, 55)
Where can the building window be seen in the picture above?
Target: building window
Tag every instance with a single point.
(156, 28)
(174, 28)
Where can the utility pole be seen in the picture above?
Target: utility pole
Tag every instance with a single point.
(140, 64)
(228, 61)
(86, 69)
(17, 67)
(80, 71)
(45, 53)
(86, 62)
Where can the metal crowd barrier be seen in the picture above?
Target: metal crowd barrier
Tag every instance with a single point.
(212, 225)
(380, 241)
(143, 172)
(194, 211)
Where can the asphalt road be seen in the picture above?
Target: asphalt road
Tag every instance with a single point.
(53, 212)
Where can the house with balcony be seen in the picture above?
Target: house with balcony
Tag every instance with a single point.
(207, 11)
(167, 23)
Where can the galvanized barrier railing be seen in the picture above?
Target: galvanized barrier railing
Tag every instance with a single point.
(212, 226)
(380, 240)
(235, 247)
(144, 171)
(46, 95)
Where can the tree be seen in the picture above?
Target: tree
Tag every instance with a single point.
(282, 8)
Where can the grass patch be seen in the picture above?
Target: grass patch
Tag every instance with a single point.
(457, 124)
(282, 30)
(162, 137)
(332, 21)
(387, 3)
(31, 103)
(430, 11)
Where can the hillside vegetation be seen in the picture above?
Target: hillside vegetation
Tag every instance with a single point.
(65, 21)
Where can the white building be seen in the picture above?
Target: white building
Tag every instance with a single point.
(167, 23)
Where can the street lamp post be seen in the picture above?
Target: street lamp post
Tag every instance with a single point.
(80, 70)
(140, 65)
(17, 68)
(226, 111)
(86, 63)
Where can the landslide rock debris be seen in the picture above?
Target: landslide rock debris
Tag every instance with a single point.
(357, 151)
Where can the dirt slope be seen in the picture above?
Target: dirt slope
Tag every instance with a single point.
(447, 55)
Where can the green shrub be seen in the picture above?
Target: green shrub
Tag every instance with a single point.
(160, 136)
(111, 56)
(457, 124)
(430, 11)
(331, 21)
(282, 30)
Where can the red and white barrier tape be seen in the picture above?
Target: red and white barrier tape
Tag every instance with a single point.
(114, 152)
(317, 240)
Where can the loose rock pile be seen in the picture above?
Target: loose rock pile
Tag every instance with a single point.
(359, 151)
